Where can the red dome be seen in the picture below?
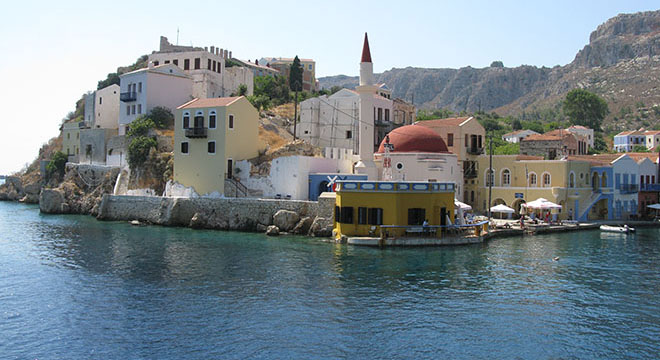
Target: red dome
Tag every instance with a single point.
(415, 138)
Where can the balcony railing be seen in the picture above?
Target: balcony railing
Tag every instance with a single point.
(128, 96)
(382, 123)
(196, 132)
(629, 188)
(475, 150)
(649, 187)
(469, 173)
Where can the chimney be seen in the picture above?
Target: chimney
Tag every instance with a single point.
(212, 49)
(256, 61)
(206, 48)
(226, 53)
(216, 50)
(230, 55)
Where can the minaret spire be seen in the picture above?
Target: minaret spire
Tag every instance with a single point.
(366, 53)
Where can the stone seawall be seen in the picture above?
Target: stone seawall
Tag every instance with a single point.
(246, 214)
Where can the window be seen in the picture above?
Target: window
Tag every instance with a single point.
(212, 117)
(387, 114)
(450, 139)
(506, 177)
(175, 62)
(139, 108)
(128, 109)
(68, 136)
(375, 216)
(416, 216)
(140, 87)
(380, 114)
(198, 63)
(362, 215)
(186, 64)
(466, 140)
(167, 61)
(198, 121)
(489, 178)
(617, 181)
(186, 120)
(184, 147)
(100, 100)
(346, 215)
(571, 180)
(349, 134)
(309, 67)
(231, 121)
(156, 62)
(532, 179)
(133, 109)
(211, 147)
(214, 65)
(546, 179)
(208, 64)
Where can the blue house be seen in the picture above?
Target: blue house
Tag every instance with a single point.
(625, 141)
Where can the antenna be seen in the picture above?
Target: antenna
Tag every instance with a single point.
(177, 36)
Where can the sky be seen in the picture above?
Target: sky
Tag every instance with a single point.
(53, 52)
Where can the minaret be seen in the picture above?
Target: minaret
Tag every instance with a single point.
(366, 90)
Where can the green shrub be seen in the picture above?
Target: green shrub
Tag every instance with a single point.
(138, 150)
(56, 164)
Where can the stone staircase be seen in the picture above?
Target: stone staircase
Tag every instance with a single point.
(584, 210)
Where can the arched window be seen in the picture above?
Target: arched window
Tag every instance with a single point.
(506, 177)
(199, 119)
(186, 119)
(546, 179)
(603, 180)
(212, 117)
(533, 180)
(571, 180)
(489, 177)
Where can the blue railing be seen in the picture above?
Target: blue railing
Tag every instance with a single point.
(650, 187)
(629, 188)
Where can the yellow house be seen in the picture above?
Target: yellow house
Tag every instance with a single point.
(210, 135)
(362, 207)
(71, 139)
(518, 179)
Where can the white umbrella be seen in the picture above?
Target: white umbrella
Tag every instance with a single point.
(542, 204)
(654, 206)
(461, 205)
(501, 208)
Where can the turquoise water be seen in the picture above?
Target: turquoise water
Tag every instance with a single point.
(75, 288)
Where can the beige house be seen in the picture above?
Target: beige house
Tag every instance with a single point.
(71, 139)
(283, 65)
(466, 138)
(210, 135)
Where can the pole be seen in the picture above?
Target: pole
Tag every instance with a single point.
(295, 113)
(491, 175)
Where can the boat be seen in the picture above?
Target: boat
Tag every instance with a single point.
(618, 229)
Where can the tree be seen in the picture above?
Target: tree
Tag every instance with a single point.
(140, 142)
(56, 164)
(241, 91)
(585, 108)
(516, 124)
(507, 149)
(497, 64)
(140, 127)
(162, 117)
(111, 79)
(295, 75)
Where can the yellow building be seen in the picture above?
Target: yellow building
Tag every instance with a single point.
(71, 139)
(361, 207)
(518, 179)
(210, 135)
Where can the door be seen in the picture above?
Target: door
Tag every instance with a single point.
(230, 168)
(443, 218)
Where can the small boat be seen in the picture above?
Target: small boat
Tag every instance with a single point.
(617, 229)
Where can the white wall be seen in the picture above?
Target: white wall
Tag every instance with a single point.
(289, 175)
(106, 107)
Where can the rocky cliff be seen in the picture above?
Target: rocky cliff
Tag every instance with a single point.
(620, 63)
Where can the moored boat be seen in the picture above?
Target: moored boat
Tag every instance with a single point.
(618, 229)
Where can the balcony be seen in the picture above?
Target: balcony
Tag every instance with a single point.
(474, 150)
(469, 173)
(196, 132)
(382, 123)
(128, 96)
(649, 187)
(628, 188)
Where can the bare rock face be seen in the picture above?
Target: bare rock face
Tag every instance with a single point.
(321, 227)
(12, 189)
(272, 231)
(51, 201)
(198, 221)
(285, 220)
(302, 227)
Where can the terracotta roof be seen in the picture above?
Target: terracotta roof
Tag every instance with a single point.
(366, 53)
(653, 156)
(651, 132)
(414, 138)
(578, 127)
(444, 122)
(631, 132)
(597, 159)
(210, 102)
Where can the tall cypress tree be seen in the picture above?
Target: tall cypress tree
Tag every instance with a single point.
(296, 75)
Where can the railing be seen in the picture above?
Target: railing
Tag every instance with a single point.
(629, 188)
(240, 188)
(430, 230)
(382, 123)
(128, 96)
(196, 132)
(470, 173)
(650, 187)
(474, 150)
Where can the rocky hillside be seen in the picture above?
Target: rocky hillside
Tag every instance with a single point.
(620, 63)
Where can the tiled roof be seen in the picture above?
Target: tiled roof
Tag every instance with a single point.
(651, 132)
(578, 127)
(542, 137)
(210, 102)
(653, 156)
(631, 132)
(597, 159)
(444, 122)
(518, 132)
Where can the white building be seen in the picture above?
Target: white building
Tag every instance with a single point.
(206, 66)
(142, 90)
(516, 136)
(585, 132)
(652, 139)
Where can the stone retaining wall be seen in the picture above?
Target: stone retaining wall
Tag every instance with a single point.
(247, 214)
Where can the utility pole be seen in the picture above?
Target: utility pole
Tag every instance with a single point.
(491, 175)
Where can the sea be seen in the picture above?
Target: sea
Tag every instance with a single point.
(72, 287)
